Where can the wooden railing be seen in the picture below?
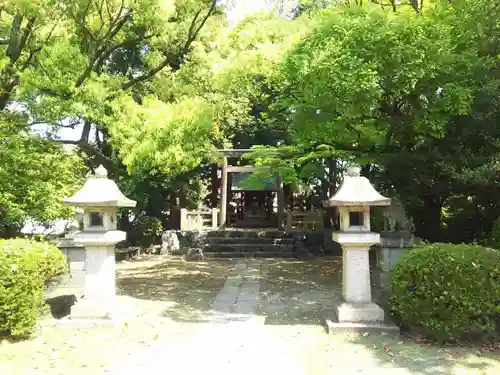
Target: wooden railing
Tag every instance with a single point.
(209, 218)
(304, 220)
(198, 219)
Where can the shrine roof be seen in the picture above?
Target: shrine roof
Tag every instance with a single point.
(356, 190)
(242, 181)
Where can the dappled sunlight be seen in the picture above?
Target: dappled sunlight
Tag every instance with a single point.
(299, 292)
(186, 289)
(422, 358)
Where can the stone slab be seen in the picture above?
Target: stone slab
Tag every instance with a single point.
(333, 327)
(346, 312)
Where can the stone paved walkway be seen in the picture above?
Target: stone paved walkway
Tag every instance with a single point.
(233, 339)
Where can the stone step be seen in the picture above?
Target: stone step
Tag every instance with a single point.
(251, 234)
(232, 254)
(250, 240)
(248, 247)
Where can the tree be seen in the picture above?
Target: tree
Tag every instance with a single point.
(35, 175)
(394, 90)
(75, 65)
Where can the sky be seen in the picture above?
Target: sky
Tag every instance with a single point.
(242, 8)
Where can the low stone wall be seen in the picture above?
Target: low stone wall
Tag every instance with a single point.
(75, 254)
(392, 247)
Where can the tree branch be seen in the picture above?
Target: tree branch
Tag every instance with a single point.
(115, 26)
(193, 32)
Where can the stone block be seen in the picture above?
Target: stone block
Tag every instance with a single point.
(359, 313)
(77, 266)
(76, 254)
(334, 327)
(356, 286)
(77, 278)
(194, 254)
(100, 280)
(396, 239)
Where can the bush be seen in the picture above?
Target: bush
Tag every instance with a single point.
(448, 292)
(25, 268)
(494, 237)
(147, 229)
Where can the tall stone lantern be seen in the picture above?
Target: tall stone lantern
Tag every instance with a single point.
(353, 199)
(99, 198)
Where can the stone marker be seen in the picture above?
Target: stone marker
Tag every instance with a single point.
(193, 254)
(353, 199)
(99, 197)
(170, 243)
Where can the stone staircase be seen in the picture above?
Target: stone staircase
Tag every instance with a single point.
(255, 243)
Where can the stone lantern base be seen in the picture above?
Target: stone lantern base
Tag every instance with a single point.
(99, 295)
(348, 312)
(357, 312)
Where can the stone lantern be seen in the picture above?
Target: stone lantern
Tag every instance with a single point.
(353, 199)
(99, 198)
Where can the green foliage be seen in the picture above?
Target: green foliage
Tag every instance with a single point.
(25, 268)
(171, 138)
(147, 229)
(494, 238)
(35, 176)
(377, 219)
(448, 291)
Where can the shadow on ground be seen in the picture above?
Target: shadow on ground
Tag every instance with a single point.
(427, 359)
(300, 291)
(292, 291)
(187, 288)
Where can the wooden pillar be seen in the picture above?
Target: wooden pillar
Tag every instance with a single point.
(215, 186)
(281, 200)
(223, 194)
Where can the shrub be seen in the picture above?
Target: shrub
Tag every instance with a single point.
(448, 292)
(494, 237)
(147, 228)
(25, 267)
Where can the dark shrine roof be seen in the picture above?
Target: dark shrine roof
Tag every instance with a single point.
(242, 181)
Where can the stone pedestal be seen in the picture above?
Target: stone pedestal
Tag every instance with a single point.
(100, 275)
(356, 286)
(367, 312)
(100, 283)
(357, 312)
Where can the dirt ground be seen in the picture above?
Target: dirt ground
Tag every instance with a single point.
(299, 291)
(167, 298)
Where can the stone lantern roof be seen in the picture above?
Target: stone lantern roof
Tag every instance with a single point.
(356, 191)
(100, 191)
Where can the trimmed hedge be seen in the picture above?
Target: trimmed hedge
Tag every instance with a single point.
(25, 268)
(448, 292)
